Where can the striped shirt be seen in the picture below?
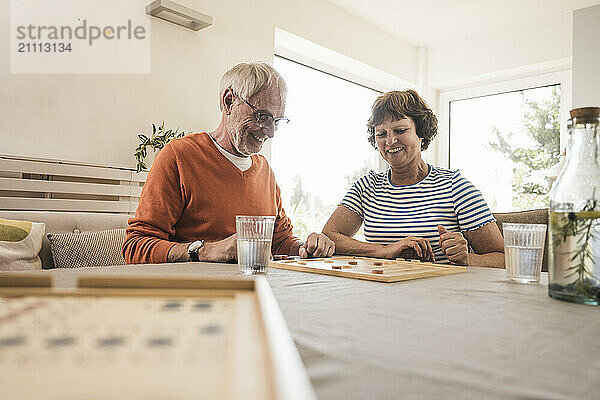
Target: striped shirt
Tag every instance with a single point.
(392, 212)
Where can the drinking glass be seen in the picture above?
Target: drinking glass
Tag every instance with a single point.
(254, 237)
(523, 251)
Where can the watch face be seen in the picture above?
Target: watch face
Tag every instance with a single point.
(195, 246)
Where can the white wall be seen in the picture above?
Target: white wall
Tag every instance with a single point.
(526, 56)
(323, 23)
(486, 56)
(521, 56)
(586, 57)
(96, 118)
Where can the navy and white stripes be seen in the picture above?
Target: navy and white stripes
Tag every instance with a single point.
(391, 213)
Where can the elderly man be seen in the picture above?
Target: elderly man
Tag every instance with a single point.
(199, 183)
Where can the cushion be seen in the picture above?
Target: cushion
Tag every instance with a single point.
(20, 243)
(62, 222)
(87, 249)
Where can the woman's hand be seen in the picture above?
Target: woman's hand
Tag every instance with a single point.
(409, 244)
(454, 245)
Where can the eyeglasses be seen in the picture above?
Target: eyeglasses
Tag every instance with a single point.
(265, 118)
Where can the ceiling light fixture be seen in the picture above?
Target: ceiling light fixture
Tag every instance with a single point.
(178, 14)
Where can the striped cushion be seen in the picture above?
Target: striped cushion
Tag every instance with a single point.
(87, 249)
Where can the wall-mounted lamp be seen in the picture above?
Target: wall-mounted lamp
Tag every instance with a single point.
(178, 14)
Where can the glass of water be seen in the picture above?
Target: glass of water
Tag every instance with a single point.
(523, 251)
(254, 237)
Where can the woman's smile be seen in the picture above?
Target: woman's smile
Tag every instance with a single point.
(396, 149)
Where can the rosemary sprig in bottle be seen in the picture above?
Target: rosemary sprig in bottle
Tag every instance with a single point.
(580, 225)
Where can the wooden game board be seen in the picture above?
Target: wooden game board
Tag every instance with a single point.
(372, 269)
(145, 338)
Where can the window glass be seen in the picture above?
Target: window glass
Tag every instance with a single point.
(504, 143)
(324, 148)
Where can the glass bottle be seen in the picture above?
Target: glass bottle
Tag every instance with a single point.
(574, 231)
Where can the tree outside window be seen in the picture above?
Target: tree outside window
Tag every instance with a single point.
(504, 144)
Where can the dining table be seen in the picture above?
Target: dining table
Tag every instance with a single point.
(471, 335)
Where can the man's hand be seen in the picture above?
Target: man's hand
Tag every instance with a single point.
(454, 245)
(178, 253)
(410, 244)
(220, 251)
(317, 245)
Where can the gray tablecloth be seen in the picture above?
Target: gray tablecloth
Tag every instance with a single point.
(465, 336)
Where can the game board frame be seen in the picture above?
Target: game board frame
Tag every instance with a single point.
(255, 307)
(439, 269)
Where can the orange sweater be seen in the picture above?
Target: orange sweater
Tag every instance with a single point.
(194, 192)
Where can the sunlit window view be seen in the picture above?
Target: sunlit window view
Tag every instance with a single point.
(504, 143)
(324, 148)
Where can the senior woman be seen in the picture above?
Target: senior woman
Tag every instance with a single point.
(413, 208)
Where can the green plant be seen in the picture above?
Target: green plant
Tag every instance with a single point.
(581, 226)
(541, 125)
(159, 138)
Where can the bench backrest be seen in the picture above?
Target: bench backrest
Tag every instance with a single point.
(67, 196)
(53, 185)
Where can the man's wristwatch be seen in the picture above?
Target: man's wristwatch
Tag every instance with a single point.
(194, 248)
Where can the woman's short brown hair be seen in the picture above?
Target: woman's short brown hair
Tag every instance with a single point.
(404, 104)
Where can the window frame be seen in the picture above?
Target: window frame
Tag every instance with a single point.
(445, 97)
(335, 73)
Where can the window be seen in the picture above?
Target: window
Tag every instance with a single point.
(504, 143)
(324, 148)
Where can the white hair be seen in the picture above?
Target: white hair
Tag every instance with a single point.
(246, 79)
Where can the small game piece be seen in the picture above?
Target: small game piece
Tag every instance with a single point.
(377, 271)
(336, 266)
(62, 341)
(278, 257)
(172, 305)
(211, 330)
(347, 266)
(12, 341)
(293, 257)
(353, 262)
(160, 341)
(110, 341)
(202, 306)
(415, 261)
(377, 263)
(329, 261)
(302, 262)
